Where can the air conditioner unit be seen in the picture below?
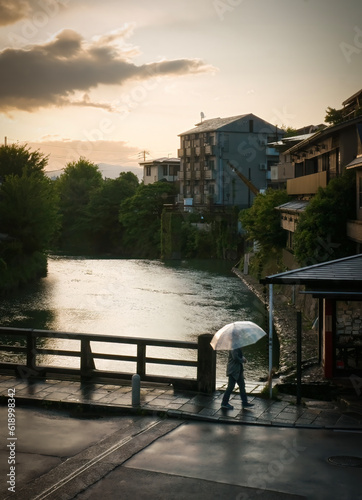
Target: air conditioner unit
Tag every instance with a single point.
(262, 166)
(262, 142)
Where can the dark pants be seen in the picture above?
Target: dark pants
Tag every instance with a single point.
(230, 388)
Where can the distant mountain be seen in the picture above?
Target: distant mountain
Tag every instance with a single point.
(108, 171)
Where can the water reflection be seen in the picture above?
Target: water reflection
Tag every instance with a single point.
(139, 298)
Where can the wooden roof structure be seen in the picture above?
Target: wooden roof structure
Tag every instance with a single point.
(337, 278)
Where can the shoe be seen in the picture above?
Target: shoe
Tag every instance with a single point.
(247, 405)
(227, 406)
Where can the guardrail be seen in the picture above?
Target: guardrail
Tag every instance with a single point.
(205, 363)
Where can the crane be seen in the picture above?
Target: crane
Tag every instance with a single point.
(250, 185)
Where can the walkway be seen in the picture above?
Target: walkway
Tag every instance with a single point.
(164, 400)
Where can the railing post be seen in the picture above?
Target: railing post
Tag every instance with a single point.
(206, 364)
(136, 390)
(86, 359)
(141, 359)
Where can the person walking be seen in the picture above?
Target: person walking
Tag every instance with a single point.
(235, 373)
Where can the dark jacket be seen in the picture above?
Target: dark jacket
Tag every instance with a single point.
(235, 363)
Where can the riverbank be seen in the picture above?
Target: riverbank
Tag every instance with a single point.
(285, 325)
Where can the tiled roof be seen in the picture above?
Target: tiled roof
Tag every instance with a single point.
(293, 206)
(213, 124)
(293, 138)
(335, 275)
(322, 134)
(357, 162)
(160, 160)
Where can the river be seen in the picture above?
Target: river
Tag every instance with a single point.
(177, 300)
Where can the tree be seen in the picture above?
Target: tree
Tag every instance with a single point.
(29, 211)
(334, 116)
(76, 186)
(28, 215)
(16, 160)
(290, 131)
(321, 232)
(103, 211)
(140, 217)
(262, 222)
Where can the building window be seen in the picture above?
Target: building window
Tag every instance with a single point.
(148, 171)
(165, 170)
(360, 191)
(251, 126)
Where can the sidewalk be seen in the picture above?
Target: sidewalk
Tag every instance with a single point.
(164, 400)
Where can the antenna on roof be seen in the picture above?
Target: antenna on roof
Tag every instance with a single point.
(202, 116)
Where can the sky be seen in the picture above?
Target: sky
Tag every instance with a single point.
(117, 81)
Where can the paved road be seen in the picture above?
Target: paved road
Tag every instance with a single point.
(62, 456)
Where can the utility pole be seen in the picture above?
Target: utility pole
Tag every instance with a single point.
(143, 153)
(5, 141)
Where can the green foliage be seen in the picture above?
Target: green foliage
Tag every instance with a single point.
(262, 223)
(197, 243)
(28, 215)
(103, 212)
(77, 183)
(290, 131)
(76, 186)
(140, 217)
(29, 211)
(18, 160)
(21, 269)
(334, 116)
(321, 232)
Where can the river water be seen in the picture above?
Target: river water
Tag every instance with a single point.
(177, 300)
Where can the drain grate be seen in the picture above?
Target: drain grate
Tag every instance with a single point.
(344, 461)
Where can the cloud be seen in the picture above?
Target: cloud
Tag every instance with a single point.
(62, 151)
(11, 11)
(52, 73)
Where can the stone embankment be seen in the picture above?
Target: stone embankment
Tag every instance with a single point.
(285, 325)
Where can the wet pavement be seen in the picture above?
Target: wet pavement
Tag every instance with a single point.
(83, 441)
(167, 401)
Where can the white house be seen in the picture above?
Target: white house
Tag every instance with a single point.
(161, 169)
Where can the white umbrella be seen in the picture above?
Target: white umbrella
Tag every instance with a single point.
(235, 335)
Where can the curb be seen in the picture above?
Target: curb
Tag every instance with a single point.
(81, 410)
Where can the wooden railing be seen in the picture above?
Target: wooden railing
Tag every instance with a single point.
(30, 351)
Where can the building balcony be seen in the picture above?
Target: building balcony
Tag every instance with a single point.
(210, 150)
(197, 174)
(282, 171)
(208, 174)
(307, 184)
(181, 152)
(197, 151)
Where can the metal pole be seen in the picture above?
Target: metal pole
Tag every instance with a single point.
(270, 340)
(136, 390)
